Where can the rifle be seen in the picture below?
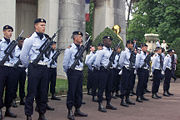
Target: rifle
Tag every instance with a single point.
(8, 51)
(132, 59)
(45, 47)
(113, 55)
(79, 54)
(147, 60)
(17, 63)
(55, 56)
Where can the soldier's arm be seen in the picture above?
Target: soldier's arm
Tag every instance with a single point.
(98, 58)
(137, 61)
(122, 58)
(67, 57)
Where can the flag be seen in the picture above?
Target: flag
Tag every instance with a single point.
(87, 10)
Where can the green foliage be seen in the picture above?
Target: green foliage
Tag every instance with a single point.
(176, 46)
(108, 32)
(155, 16)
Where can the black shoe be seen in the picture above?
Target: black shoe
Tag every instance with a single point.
(169, 93)
(1, 116)
(28, 118)
(79, 113)
(158, 96)
(83, 102)
(147, 91)
(166, 94)
(123, 103)
(109, 106)
(144, 99)
(94, 99)
(14, 104)
(49, 108)
(101, 108)
(114, 97)
(70, 115)
(42, 117)
(129, 102)
(55, 98)
(8, 113)
(139, 100)
(22, 102)
(89, 93)
(154, 96)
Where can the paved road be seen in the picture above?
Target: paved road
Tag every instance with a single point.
(167, 108)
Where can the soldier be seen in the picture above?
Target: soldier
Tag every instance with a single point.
(89, 80)
(95, 72)
(157, 65)
(142, 69)
(52, 70)
(125, 85)
(37, 73)
(7, 74)
(167, 67)
(75, 77)
(105, 75)
(20, 73)
(116, 76)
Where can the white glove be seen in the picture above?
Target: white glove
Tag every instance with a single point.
(162, 72)
(120, 72)
(135, 72)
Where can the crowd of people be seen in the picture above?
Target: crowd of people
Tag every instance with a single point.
(110, 71)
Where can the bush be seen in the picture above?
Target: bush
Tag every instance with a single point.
(176, 46)
(108, 32)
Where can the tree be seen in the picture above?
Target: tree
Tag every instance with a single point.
(155, 16)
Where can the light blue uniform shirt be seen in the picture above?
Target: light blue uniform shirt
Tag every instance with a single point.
(3, 46)
(102, 57)
(140, 60)
(117, 57)
(156, 62)
(88, 57)
(30, 49)
(167, 62)
(69, 57)
(17, 55)
(50, 59)
(124, 59)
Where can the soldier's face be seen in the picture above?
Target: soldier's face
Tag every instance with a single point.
(144, 49)
(53, 46)
(7, 33)
(100, 47)
(40, 27)
(107, 42)
(78, 39)
(21, 42)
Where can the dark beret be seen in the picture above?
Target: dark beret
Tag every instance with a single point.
(129, 42)
(108, 37)
(77, 33)
(53, 42)
(100, 44)
(22, 38)
(39, 20)
(144, 45)
(170, 50)
(7, 27)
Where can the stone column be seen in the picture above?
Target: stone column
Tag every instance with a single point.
(107, 14)
(71, 18)
(7, 15)
(49, 10)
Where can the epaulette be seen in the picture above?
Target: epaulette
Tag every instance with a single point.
(47, 36)
(69, 46)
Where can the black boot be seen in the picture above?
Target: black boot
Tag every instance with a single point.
(144, 99)
(8, 113)
(70, 115)
(123, 103)
(28, 117)
(129, 102)
(1, 116)
(158, 96)
(138, 99)
(147, 91)
(169, 93)
(89, 93)
(22, 102)
(101, 108)
(94, 99)
(79, 113)
(14, 104)
(49, 108)
(55, 98)
(42, 117)
(109, 106)
(166, 94)
(154, 96)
